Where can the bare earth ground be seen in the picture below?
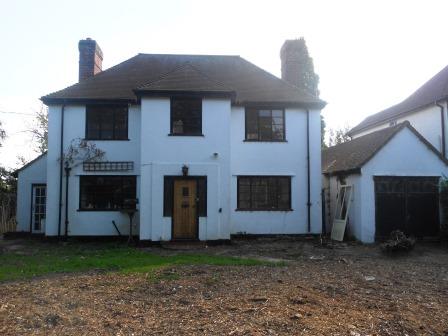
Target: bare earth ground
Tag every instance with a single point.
(348, 290)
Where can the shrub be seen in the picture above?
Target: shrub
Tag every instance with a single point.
(398, 242)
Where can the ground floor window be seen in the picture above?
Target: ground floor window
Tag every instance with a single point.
(264, 193)
(106, 192)
(201, 190)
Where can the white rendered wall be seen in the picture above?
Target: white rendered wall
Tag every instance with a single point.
(162, 155)
(278, 158)
(87, 222)
(35, 173)
(426, 121)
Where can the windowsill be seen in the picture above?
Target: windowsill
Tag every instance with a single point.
(248, 140)
(103, 210)
(205, 216)
(192, 135)
(264, 210)
(86, 139)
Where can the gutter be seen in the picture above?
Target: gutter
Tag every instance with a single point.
(308, 204)
(61, 167)
(442, 121)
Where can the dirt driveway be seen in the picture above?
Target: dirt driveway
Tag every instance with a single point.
(347, 290)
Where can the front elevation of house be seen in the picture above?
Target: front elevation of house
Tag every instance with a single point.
(208, 146)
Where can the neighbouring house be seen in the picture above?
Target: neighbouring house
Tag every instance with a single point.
(210, 146)
(425, 109)
(394, 173)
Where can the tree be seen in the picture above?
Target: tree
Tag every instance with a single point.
(2, 134)
(39, 130)
(338, 136)
(323, 126)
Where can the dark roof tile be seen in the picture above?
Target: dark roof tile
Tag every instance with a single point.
(250, 83)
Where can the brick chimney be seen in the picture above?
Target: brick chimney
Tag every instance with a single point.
(90, 58)
(290, 55)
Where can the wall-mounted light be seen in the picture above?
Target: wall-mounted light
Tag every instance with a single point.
(185, 170)
(215, 154)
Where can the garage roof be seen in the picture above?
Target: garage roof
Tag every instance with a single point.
(350, 156)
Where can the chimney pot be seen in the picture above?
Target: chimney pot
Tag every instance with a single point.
(90, 58)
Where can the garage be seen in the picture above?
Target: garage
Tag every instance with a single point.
(408, 204)
(394, 175)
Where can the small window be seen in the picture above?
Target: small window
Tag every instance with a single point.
(106, 122)
(106, 192)
(264, 193)
(201, 190)
(186, 116)
(265, 125)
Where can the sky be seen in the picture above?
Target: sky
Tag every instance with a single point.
(369, 54)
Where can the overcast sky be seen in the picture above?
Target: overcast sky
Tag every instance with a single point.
(369, 54)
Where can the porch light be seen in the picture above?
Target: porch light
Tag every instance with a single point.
(184, 170)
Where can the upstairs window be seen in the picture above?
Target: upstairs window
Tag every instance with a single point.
(107, 122)
(186, 116)
(265, 125)
(264, 193)
(106, 192)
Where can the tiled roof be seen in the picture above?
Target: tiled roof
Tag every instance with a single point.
(350, 156)
(250, 83)
(434, 90)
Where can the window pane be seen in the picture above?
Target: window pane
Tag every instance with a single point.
(107, 125)
(186, 116)
(260, 194)
(93, 119)
(121, 124)
(202, 196)
(251, 125)
(168, 196)
(265, 125)
(284, 195)
(244, 193)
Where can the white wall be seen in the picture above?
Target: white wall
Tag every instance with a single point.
(86, 222)
(156, 154)
(162, 155)
(35, 173)
(426, 121)
(278, 158)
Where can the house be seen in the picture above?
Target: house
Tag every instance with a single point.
(394, 173)
(426, 110)
(210, 146)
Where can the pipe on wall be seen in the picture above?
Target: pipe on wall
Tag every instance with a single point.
(61, 168)
(308, 204)
(442, 121)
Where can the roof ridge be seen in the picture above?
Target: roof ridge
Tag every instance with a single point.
(198, 55)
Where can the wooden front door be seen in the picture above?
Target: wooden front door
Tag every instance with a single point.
(185, 220)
